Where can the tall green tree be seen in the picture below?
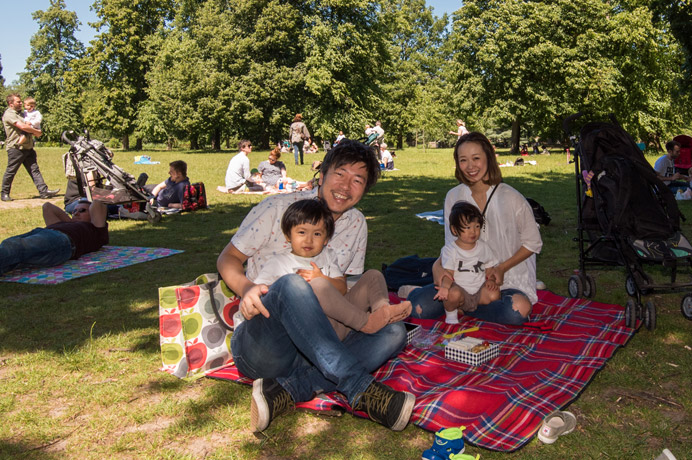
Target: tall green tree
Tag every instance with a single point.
(119, 60)
(54, 50)
(532, 63)
(2, 79)
(262, 61)
(413, 87)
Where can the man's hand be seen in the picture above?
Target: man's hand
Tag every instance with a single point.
(251, 305)
(309, 275)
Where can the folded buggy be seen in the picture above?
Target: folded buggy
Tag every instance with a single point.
(628, 217)
(98, 178)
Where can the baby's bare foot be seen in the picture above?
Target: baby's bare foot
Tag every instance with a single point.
(385, 315)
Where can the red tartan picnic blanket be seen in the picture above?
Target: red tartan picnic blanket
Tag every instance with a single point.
(541, 367)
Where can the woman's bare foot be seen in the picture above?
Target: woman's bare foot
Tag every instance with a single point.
(385, 315)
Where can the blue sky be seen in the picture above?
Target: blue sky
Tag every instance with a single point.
(18, 27)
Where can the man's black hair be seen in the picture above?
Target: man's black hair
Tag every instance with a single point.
(180, 166)
(348, 152)
(462, 214)
(670, 145)
(310, 211)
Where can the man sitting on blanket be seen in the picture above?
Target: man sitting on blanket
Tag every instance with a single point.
(287, 343)
(62, 239)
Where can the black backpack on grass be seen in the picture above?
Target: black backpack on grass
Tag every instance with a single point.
(411, 270)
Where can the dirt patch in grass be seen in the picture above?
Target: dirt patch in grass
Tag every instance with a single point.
(28, 203)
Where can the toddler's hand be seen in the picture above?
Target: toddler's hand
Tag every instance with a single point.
(309, 275)
(442, 293)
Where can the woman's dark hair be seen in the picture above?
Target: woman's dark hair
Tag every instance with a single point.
(348, 152)
(243, 143)
(310, 211)
(462, 214)
(494, 174)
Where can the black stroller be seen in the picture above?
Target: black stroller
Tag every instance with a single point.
(98, 178)
(628, 217)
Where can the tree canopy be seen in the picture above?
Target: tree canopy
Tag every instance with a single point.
(206, 70)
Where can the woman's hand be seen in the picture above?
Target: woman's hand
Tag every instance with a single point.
(495, 274)
(309, 275)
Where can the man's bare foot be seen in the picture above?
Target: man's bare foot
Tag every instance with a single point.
(385, 315)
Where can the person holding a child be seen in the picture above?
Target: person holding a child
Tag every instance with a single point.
(20, 148)
(287, 343)
(509, 229)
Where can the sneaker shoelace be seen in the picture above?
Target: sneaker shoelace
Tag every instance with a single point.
(282, 403)
(374, 402)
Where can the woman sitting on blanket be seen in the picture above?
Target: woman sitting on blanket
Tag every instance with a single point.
(272, 170)
(510, 229)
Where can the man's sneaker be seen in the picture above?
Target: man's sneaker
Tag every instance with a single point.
(405, 290)
(448, 442)
(385, 406)
(269, 400)
(49, 193)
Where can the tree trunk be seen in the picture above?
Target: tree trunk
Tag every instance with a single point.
(126, 141)
(138, 143)
(194, 144)
(516, 126)
(399, 141)
(216, 139)
(169, 144)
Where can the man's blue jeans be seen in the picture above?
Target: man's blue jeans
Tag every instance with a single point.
(500, 311)
(298, 346)
(41, 247)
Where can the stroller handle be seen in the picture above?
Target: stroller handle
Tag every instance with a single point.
(568, 121)
(65, 136)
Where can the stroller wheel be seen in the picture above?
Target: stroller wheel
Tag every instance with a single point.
(650, 315)
(153, 215)
(575, 288)
(630, 314)
(155, 219)
(630, 286)
(686, 306)
(589, 286)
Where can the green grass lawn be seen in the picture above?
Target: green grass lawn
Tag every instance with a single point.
(79, 361)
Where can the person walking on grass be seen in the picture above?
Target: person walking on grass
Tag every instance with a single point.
(287, 343)
(298, 133)
(21, 154)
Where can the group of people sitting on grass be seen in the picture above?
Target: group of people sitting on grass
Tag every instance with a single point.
(304, 332)
(270, 175)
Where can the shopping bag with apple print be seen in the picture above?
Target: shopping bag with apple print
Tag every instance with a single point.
(196, 325)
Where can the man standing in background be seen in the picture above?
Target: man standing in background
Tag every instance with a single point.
(18, 155)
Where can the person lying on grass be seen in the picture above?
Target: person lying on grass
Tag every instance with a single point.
(308, 225)
(62, 239)
(287, 343)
